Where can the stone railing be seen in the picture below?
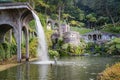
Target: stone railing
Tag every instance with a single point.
(17, 2)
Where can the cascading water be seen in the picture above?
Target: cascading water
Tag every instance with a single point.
(42, 46)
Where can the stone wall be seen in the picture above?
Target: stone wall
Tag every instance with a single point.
(71, 37)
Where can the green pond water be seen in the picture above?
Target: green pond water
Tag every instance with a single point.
(70, 68)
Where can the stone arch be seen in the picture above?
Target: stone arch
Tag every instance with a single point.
(26, 17)
(49, 22)
(3, 29)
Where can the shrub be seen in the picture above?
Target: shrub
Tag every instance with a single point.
(7, 50)
(65, 46)
(94, 48)
(53, 53)
(2, 52)
(111, 28)
(33, 45)
(111, 73)
(13, 49)
(72, 49)
(113, 47)
(48, 38)
(76, 50)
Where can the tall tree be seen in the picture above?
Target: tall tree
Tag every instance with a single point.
(60, 5)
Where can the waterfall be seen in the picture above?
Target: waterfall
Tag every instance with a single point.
(42, 45)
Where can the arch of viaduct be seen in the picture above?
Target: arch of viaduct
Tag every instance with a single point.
(16, 16)
(52, 22)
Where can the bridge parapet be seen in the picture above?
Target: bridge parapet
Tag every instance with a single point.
(15, 5)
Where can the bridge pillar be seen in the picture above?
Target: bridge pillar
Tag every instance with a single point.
(19, 41)
(27, 43)
(18, 37)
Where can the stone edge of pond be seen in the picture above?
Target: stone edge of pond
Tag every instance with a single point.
(12, 64)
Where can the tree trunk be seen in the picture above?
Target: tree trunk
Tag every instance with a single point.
(109, 14)
(59, 18)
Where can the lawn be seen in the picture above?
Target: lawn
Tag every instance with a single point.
(81, 30)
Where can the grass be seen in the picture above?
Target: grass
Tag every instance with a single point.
(81, 30)
(110, 28)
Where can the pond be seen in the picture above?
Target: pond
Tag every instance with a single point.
(68, 68)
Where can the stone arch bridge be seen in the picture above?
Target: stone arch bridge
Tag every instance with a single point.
(16, 16)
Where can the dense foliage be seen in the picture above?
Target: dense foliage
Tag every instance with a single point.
(86, 13)
(33, 44)
(67, 49)
(110, 28)
(53, 53)
(113, 47)
(107, 49)
(7, 50)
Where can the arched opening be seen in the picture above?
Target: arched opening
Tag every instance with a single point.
(94, 37)
(23, 34)
(5, 33)
(8, 45)
(89, 37)
(56, 25)
(49, 25)
(99, 36)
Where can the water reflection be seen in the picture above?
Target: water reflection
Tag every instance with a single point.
(32, 72)
(27, 71)
(19, 73)
(23, 72)
(76, 68)
(43, 72)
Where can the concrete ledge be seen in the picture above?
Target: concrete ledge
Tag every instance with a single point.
(15, 5)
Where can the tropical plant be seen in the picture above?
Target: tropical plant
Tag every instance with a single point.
(7, 50)
(110, 28)
(2, 53)
(74, 23)
(113, 47)
(53, 53)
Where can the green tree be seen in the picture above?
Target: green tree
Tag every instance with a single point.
(91, 20)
